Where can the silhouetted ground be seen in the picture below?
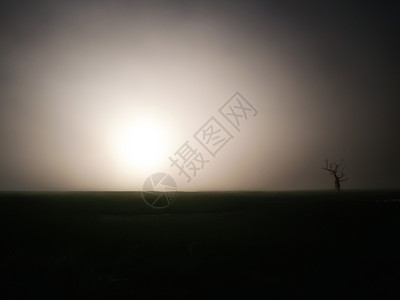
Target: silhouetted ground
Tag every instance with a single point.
(250, 245)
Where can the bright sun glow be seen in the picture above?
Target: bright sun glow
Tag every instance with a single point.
(141, 145)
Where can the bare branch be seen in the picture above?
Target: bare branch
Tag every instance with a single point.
(336, 167)
(329, 170)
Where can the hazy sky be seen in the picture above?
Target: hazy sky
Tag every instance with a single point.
(98, 95)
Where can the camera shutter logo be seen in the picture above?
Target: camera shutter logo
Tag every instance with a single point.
(159, 190)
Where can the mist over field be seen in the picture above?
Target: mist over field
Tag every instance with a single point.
(97, 95)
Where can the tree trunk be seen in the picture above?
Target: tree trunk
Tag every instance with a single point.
(337, 184)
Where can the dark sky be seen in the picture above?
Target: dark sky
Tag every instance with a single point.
(77, 77)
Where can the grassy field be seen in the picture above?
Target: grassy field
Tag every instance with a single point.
(216, 245)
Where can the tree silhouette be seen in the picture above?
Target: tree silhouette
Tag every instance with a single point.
(336, 170)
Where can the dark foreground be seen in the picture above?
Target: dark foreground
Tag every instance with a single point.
(308, 245)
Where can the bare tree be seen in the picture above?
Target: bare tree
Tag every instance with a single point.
(336, 170)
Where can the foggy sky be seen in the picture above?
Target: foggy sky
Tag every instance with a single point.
(323, 77)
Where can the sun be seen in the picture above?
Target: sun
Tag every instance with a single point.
(141, 144)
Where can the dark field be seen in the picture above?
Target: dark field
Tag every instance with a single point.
(250, 245)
